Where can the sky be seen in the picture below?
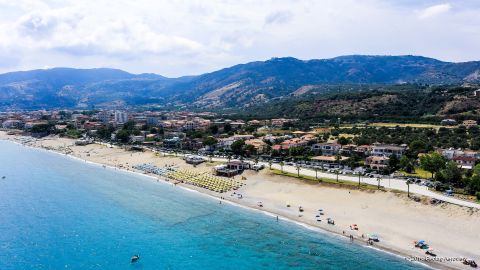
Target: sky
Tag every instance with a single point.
(180, 37)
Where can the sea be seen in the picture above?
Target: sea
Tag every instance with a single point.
(57, 212)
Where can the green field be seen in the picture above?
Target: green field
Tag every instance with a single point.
(420, 173)
(325, 180)
(392, 125)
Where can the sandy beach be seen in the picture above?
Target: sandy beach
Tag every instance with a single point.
(453, 231)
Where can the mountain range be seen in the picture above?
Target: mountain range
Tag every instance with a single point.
(239, 86)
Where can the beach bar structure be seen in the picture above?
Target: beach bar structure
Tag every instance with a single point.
(231, 168)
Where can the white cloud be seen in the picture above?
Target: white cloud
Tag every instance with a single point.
(179, 37)
(434, 11)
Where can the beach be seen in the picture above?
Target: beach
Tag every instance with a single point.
(398, 221)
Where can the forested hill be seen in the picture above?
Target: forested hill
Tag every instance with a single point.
(409, 103)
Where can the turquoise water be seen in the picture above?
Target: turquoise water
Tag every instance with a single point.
(60, 213)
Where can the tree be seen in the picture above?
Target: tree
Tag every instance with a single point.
(281, 165)
(123, 135)
(343, 140)
(406, 164)
(298, 169)
(227, 128)
(270, 164)
(393, 163)
(250, 149)
(209, 141)
(451, 174)
(354, 160)
(473, 184)
(213, 129)
(408, 188)
(432, 163)
(105, 132)
(417, 146)
(338, 159)
(237, 147)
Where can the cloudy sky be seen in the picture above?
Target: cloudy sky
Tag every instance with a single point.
(176, 37)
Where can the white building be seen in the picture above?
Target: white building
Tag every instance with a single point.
(104, 116)
(135, 139)
(121, 117)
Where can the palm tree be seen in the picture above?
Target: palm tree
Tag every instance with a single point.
(408, 188)
(316, 172)
(359, 177)
(337, 159)
(298, 169)
(270, 164)
(281, 165)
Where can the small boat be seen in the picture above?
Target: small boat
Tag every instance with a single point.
(135, 258)
(300, 209)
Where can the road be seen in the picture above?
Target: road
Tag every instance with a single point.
(392, 183)
(388, 182)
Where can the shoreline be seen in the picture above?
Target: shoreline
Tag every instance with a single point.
(270, 212)
(311, 227)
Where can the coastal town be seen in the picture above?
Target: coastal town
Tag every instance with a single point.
(448, 167)
(245, 161)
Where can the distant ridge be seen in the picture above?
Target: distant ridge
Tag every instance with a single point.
(237, 86)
